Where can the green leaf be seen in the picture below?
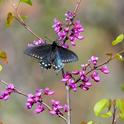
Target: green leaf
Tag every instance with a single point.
(106, 115)
(119, 57)
(121, 115)
(119, 39)
(120, 107)
(10, 19)
(1, 67)
(120, 104)
(90, 122)
(122, 87)
(29, 2)
(100, 106)
(24, 17)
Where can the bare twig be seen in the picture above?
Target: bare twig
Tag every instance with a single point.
(69, 104)
(114, 113)
(68, 100)
(21, 21)
(27, 27)
(77, 7)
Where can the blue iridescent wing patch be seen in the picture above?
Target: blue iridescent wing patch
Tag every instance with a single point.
(57, 63)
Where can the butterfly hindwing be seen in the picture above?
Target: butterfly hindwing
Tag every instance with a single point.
(45, 63)
(67, 55)
(57, 63)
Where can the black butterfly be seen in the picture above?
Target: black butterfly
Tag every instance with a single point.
(51, 55)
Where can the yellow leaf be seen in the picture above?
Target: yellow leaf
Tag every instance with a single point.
(3, 56)
(1, 67)
(83, 122)
(119, 57)
(10, 19)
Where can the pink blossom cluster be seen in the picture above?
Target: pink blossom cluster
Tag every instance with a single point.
(88, 73)
(36, 42)
(36, 99)
(58, 108)
(70, 31)
(4, 95)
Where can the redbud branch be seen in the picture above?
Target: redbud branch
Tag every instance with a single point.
(114, 113)
(77, 7)
(27, 27)
(68, 99)
(106, 62)
(68, 103)
(18, 6)
(21, 21)
(23, 94)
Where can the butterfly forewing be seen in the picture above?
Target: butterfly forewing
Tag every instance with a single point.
(67, 55)
(38, 52)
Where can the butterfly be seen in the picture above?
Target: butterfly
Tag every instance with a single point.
(51, 55)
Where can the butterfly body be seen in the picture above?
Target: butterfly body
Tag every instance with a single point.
(51, 55)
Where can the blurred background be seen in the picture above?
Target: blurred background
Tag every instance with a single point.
(103, 20)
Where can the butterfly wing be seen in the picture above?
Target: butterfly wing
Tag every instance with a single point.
(57, 63)
(38, 52)
(51, 57)
(41, 53)
(67, 55)
(45, 63)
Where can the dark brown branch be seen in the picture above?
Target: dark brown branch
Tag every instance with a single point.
(114, 113)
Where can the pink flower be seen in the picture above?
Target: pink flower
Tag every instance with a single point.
(57, 26)
(75, 32)
(36, 42)
(67, 76)
(40, 108)
(48, 92)
(58, 108)
(69, 16)
(94, 60)
(8, 91)
(104, 69)
(95, 76)
(66, 108)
